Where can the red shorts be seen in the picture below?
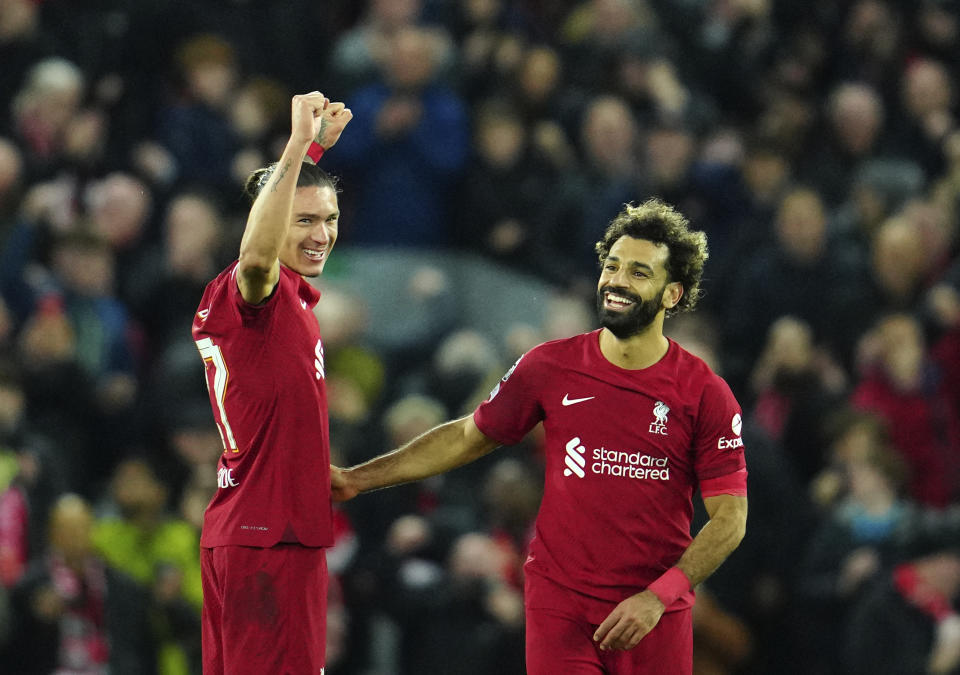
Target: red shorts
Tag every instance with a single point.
(264, 610)
(561, 641)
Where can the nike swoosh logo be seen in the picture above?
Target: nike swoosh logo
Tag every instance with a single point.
(570, 401)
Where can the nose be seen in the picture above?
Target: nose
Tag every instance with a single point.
(320, 234)
(619, 278)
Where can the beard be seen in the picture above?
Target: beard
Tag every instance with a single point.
(632, 321)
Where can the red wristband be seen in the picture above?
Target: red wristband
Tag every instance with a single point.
(315, 152)
(670, 585)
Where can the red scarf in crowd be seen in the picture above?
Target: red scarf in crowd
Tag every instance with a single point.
(83, 648)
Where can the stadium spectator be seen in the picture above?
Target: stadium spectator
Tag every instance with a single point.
(804, 275)
(74, 612)
(900, 383)
(141, 538)
(908, 624)
(588, 196)
(504, 194)
(797, 386)
(862, 537)
(410, 148)
(43, 109)
(195, 127)
(850, 136)
(360, 53)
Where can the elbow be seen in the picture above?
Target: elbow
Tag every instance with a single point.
(256, 264)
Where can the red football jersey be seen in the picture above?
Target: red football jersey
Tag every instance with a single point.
(265, 374)
(625, 450)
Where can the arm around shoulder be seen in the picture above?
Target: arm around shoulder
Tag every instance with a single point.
(439, 450)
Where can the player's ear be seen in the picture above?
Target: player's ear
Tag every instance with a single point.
(672, 294)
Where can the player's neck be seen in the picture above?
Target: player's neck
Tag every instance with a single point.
(637, 351)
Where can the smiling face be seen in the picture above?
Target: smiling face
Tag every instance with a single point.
(313, 232)
(634, 287)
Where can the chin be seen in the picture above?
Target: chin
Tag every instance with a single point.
(312, 270)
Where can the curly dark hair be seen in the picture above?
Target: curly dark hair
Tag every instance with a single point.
(660, 223)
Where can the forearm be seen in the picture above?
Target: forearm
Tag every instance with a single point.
(636, 615)
(445, 447)
(270, 214)
(715, 541)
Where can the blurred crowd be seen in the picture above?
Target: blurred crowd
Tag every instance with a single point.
(816, 142)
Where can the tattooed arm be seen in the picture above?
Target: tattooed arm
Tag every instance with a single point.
(259, 268)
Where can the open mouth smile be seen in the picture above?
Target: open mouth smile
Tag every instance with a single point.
(314, 254)
(617, 303)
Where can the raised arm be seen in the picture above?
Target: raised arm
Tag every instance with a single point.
(637, 615)
(259, 267)
(445, 447)
(314, 119)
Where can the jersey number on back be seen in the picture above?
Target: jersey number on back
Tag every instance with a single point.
(217, 378)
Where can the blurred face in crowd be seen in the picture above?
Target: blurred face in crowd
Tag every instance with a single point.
(898, 257)
(765, 173)
(119, 206)
(500, 140)
(802, 226)
(610, 134)
(260, 104)
(71, 529)
(86, 268)
(902, 351)
(17, 17)
(539, 73)
(632, 285)
(392, 14)
(856, 114)
(926, 88)
(192, 232)
(475, 556)
(311, 237)
(137, 491)
(872, 30)
(669, 153)
(212, 81)
(51, 96)
(411, 63)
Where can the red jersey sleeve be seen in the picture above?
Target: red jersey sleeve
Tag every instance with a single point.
(248, 309)
(718, 444)
(513, 407)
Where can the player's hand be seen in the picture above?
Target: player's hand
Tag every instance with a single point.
(306, 115)
(333, 120)
(341, 488)
(629, 622)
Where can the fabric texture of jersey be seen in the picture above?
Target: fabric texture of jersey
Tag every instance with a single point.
(265, 374)
(625, 450)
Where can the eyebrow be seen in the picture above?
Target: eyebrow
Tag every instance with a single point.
(633, 263)
(335, 214)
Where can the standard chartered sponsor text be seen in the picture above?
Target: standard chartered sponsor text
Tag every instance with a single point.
(629, 465)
